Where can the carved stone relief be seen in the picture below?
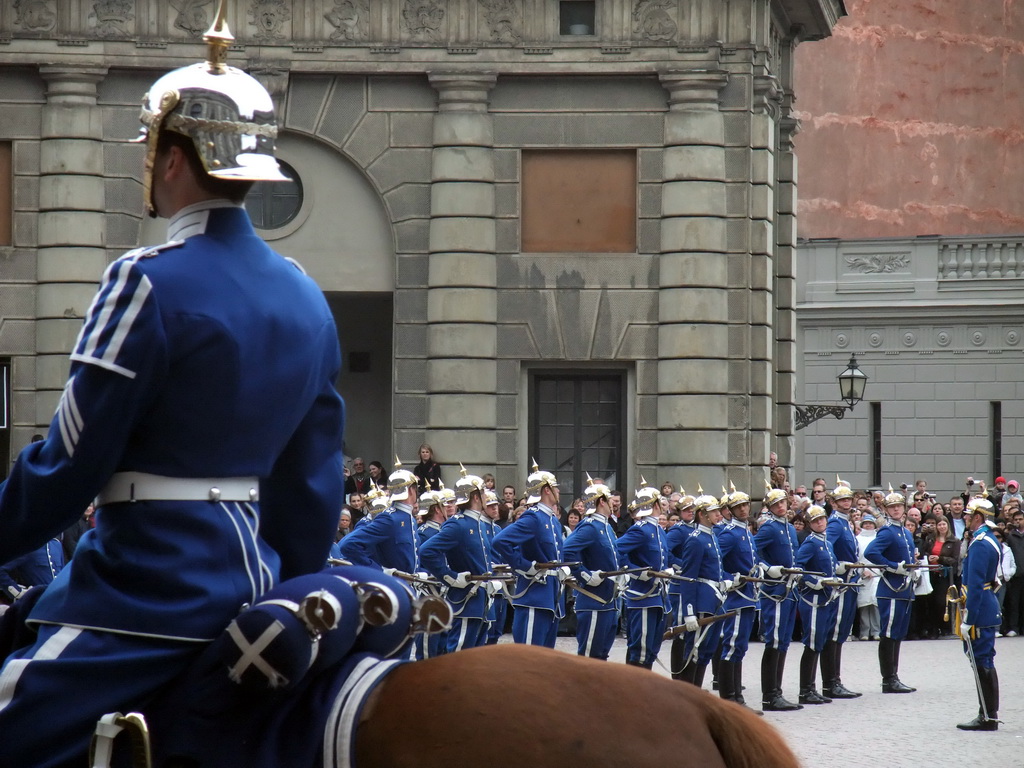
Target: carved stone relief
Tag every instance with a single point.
(192, 18)
(654, 20)
(268, 16)
(422, 21)
(35, 15)
(350, 19)
(883, 263)
(504, 18)
(111, 17)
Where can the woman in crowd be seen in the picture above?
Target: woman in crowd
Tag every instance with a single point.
(428, 471)
(942, 551)
(867, 602)
(377, 475)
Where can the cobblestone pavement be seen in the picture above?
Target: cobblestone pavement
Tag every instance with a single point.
(916, 730)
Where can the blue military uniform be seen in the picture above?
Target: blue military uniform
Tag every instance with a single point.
(982, 617)
(36, 568)
(844, 545)
(462, 546)
(893, 545)
(701, 594)
(390, 540)
(201, 410)
(429, 646)
(739, 556)
(817, 604)
(593, 545)
(536, 537)
(644, 545)
(497, 602)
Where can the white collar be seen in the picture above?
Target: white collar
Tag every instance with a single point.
(191, 220)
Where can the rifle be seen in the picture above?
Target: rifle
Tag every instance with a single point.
(703, 622)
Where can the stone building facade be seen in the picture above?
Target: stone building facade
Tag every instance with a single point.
(552, 229)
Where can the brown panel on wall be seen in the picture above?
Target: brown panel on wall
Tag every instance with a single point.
(6, 209)
(579, 201)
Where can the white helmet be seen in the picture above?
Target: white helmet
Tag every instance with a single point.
(536, 481)
(594, 492)
(644, 500)
(466, 485)
(399, 483)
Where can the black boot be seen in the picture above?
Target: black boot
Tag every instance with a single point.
(885, 664)
(896, 668)
(735, 679)
(715, 661)
(677, 659)
(727, 679)
(990, 695)
(697, 677)
(831, 662)
(771, 694)
(808, 665)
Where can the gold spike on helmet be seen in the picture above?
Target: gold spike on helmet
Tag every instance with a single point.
(736, 498)
(842, 490)
(536, 481)
(773, 495)
(227, 113)
(686, 501)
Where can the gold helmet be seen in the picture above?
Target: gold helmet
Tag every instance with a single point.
(705, 502)
(894, 498)
(644, 500)
(377, 499)
(227, 113)
(982, 506)
(447, 495)
(466, 485)
(686, 501)
(536, 481)
(724, 501)
(490, 498)
(773, 495)
(594, 492)
(429, 498)
(814, 512)
(842, 490)
(736, 498)
(400, 481)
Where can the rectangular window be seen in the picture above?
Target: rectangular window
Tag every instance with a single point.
(876, 444)
(577, 423)
(6, 189)
(579, 201)
(996, 431)
(576, 17)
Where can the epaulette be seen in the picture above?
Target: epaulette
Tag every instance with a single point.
(149, 251)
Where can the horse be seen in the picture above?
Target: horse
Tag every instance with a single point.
(522, 705)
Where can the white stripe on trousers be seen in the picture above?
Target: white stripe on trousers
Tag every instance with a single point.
(588, 646)
(49, 651)
(734, 638)
(892, 615)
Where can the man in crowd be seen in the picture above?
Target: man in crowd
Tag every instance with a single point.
(1013, 607)
(528, 545)
(358, 480)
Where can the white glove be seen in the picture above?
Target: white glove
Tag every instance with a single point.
(594, 579)
(645, 576)
(842, 568)
(532, 570)
(901, 569)
(965, 631)
(423, 575)
(915, 577)
(459, 582)
(389, 571)
(563, 573)
(773, 572)
(725, 585)
(495, 588)
(691, 624)
(16, 591)
(815, 583)
(676, 569)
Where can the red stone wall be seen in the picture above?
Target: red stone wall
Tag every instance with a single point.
(913, 121)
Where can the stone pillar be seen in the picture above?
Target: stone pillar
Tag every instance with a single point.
(72, 201)
(693, 312)
(462, 282)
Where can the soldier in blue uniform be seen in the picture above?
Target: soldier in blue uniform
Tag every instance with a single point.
(200, 409)
(431, 509)
(739, 558)
(844, 545)
(893, 548)
(460, 550)
(643, 545)
(776, 544)
(376, 502)
(685, 509)
(816, 600)
(981, 616)
(497, 604)
(526, 545)
(34, 569)
(675, 537)
(703, 591)
(390, 541)
(592, 544)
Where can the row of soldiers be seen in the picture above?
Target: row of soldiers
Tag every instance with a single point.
(699, 583)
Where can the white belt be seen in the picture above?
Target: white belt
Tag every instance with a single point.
(141, 486)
